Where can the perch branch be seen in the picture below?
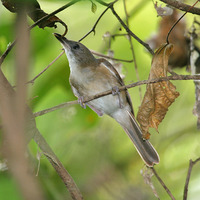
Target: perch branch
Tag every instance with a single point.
(179, 77)
(63, 105)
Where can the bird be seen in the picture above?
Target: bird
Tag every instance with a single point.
(90, 76)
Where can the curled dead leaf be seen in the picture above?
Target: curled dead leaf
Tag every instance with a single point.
(159, 96)
(34, 11)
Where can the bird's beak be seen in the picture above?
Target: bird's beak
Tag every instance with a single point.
(64, 41)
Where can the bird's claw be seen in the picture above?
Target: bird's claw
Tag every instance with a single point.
(80, 101)
(115, 91)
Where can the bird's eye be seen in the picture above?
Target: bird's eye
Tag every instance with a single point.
(76, 46)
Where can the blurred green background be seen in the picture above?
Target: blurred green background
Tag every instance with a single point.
(96, 151)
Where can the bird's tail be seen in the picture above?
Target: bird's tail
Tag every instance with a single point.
(144, 147)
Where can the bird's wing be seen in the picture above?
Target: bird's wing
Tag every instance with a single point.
(110, 67)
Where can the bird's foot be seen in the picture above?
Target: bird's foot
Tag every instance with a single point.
(115, 91)
(80, 101)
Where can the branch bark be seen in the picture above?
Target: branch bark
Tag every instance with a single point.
(181, 6)
(130, 32)
(191, 165)
(111, 6)
(94, 27)
(163, 184)
(18, 122)
(13, 109)
(63, 105)
(6, 94)
(35, 24)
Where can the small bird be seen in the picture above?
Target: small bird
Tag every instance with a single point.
(90, 76)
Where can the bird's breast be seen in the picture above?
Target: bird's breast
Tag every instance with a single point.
(91, 82)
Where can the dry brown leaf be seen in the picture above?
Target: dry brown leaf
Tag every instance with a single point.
(34, 11)
(159, 96)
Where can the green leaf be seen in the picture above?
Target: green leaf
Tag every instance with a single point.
(94, 7)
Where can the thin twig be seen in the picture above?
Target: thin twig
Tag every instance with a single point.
(58, 166)
(94, 27)
(163, 184)
(179, 77)
(191, 165)
(13, 109)
(53, 13)
(168, 34)
(111, 6)
(132, 50)
(7, 93)
(10, 46)
(130, 32)
(32, 80)
(181, 6)
(34, 25)
(147, 174)
(111, 58)
(87, 99)
(63, 105)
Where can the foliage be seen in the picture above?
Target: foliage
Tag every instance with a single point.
(96, 151)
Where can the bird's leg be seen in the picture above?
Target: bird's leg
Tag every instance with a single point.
(99, 112)
(83, 105)
(115, 91)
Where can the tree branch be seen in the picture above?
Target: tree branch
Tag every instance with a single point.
(9, 48)
(179, 77)
(111, 6)
(63, 105)
(87, 99)
(58, 166)
(13, 110)
(35, 24)
(53, 13)
(32, 80)
(181, 6)
(163, 184)
(130, 32)
(108, 57)
(94, 27)
(191, 165)
(6, 91)
(132, 49)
